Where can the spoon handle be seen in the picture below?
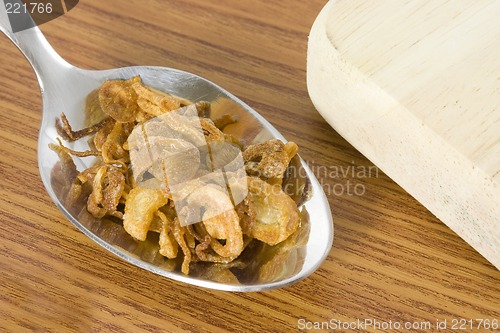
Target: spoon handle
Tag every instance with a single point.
(31, 42)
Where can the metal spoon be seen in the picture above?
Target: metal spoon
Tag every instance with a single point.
(64, 89)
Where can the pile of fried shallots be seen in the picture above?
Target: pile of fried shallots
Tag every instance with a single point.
(267, 214)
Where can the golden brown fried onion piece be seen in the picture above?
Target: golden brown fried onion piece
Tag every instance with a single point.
(275, 214)
(108, 185)
(225, 226)
(151, 102)
(67, 133)
(118, 99)
(140, 206)
(269, 160)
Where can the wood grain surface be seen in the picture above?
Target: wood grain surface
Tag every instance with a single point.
(392, 261)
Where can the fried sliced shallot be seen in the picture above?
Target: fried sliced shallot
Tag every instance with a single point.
(153, 103)
(179, 233)
(107, 189)
(220, 222)
(211, 132)
(276, 214)
(168, 244)
(140, 206)
(269, 160)
(67, 133)
(144, 150)
(119, 100)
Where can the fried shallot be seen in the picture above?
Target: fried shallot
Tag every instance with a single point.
(129, 121)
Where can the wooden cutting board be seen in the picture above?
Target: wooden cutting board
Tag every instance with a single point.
(415, 86)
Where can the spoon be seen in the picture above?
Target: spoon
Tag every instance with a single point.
(64, 89)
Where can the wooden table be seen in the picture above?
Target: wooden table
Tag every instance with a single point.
(392, 262)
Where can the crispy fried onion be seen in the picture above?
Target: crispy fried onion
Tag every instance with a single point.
(219, 226)
(129, 100)
(119, 100)
(109, 187)
(269, 160)
(276, 215)
(112, 150)
(140, 206)
(153, 103)
(168, 243)
(67, 133)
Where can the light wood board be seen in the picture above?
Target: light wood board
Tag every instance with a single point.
(415, 86)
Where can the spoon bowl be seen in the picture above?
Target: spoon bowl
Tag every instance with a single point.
(65, 88)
